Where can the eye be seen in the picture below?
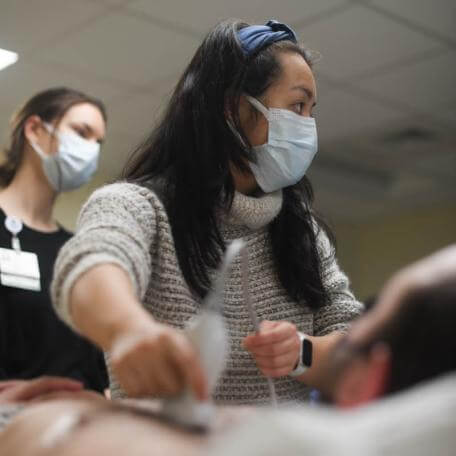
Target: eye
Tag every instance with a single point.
(81, 131)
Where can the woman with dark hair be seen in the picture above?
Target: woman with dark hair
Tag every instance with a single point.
(53, 147)
(227, 161)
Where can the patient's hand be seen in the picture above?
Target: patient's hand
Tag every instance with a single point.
(12, 391)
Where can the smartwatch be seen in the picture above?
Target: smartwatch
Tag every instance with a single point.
(305, 356)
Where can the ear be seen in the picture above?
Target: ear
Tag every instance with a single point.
(33, 127)
(243, 107)
(365, 379)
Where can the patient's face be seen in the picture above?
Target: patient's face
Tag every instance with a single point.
(81, 427)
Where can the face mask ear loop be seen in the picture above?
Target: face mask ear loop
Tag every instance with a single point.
(59, 169)
(235, 132)
(36, 147)
(52, 131)
(259, 106)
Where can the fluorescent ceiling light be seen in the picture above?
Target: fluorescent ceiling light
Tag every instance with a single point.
(7, 58)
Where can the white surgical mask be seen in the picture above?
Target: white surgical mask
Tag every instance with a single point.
(291, 147)
(74, 164)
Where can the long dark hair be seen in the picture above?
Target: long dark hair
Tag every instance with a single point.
(50, 105)
(187, 161)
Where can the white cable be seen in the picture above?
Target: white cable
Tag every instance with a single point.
(253, 315)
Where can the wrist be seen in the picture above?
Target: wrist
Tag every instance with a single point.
(138, 321)
(305, 356)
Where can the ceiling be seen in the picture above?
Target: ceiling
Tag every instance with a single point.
(387, 100)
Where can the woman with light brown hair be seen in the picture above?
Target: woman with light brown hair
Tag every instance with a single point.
(53, 146)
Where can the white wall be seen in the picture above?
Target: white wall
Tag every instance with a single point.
(370, 252)
(69, 204)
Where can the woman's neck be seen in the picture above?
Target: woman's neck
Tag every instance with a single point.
(30, 197)
(244, 182)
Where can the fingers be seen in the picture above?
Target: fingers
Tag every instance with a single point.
(132, 378)
(168, 378)
(191, 369)
(270, 333)
(9, 383)
(83, 394)
(275, 348)
(32, 389)
(161, 362)
(276, 366)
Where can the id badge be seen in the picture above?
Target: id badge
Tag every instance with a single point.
(19, 269)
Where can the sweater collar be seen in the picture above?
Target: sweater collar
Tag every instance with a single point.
(254, 212)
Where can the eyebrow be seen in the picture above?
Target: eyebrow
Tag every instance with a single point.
(91, 130)
(307, 91)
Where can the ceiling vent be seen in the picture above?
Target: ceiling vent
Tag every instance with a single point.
(410, 135)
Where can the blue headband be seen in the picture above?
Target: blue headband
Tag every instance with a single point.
(256, 37)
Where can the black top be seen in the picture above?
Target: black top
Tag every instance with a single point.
(33, 340)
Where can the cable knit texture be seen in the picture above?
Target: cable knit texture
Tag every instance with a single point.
(127, 225)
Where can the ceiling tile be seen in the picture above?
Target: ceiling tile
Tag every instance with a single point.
(112, 2)
(124, 47)
(448, 113)
(115, 152)
(426, 85)
(340, 114)
(136, 114)
(436, 15)
(197, 14)
(22, 80)
(441, 167)
(26, 25)
(398, 144)
(359, 40)
(336, 201)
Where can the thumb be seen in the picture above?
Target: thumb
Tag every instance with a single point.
(267, 325)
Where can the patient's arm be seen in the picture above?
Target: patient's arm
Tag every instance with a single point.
(12, 391)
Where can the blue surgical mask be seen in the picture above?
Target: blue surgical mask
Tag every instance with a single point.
(74, 164)
(291, 147)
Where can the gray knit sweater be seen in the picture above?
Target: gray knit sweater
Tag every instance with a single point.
(127, 225)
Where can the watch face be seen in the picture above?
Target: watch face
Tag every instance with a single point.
(307, 352)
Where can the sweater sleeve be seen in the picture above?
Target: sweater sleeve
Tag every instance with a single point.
(116, 225)
(342, 307)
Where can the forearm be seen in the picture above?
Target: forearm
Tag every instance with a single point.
(318, 375)
(103, 305)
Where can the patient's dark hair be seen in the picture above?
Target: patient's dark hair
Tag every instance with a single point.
(421, 336)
